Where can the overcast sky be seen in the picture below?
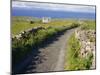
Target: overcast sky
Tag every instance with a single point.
(53, 7)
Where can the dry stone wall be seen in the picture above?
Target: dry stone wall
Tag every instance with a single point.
(24, 34)
(87, 42)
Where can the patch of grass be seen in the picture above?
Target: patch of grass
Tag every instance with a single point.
(92, 39)
(89, 25)
(73, 60)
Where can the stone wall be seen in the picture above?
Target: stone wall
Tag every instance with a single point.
(24, 34)
(87, 42)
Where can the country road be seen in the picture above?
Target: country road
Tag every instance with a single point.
(50, 57)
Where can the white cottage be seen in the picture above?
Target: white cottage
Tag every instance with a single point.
(46, 19)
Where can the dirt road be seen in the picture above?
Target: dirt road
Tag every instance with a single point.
(50, 57)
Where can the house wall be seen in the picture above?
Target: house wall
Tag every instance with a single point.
(46, 19)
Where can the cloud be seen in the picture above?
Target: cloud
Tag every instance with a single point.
(53, 7)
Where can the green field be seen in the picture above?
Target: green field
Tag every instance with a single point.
(20, 24)
(89, 24)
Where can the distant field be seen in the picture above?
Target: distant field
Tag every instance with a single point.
(20, 23)
(89, 24)
(23, 23)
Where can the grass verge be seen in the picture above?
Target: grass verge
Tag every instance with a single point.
(73, 59)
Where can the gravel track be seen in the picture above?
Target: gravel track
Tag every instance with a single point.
(51, 56)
